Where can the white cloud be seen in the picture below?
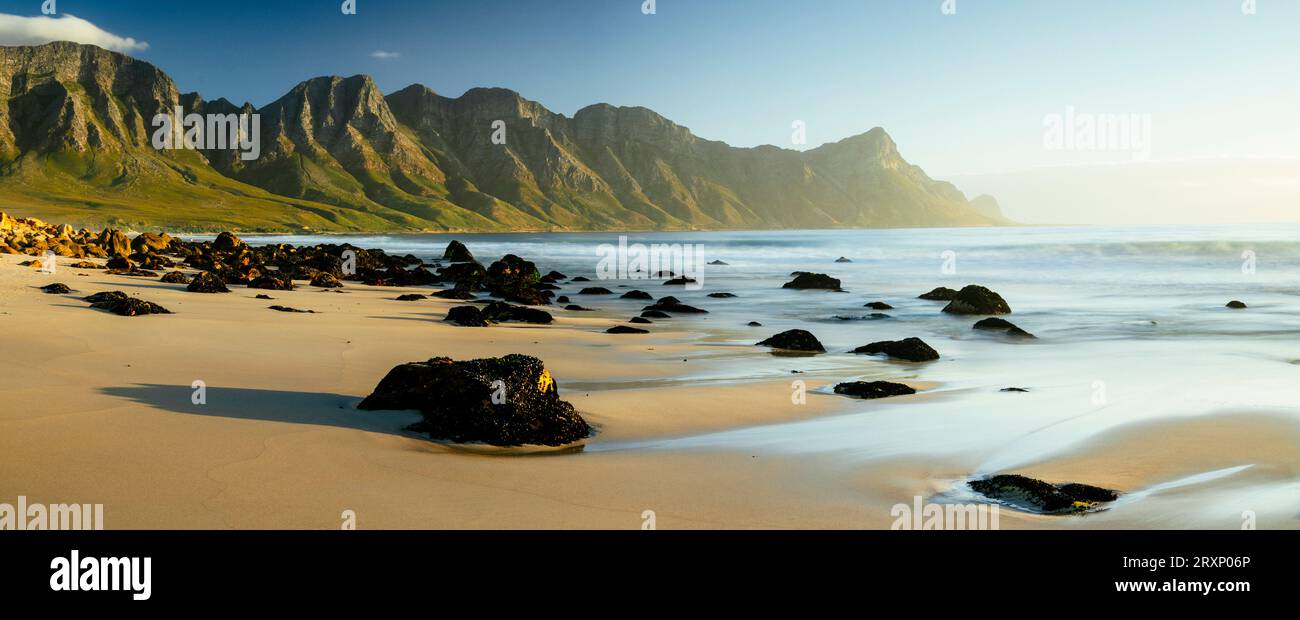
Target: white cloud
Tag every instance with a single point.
(382, 55)
(17, 30)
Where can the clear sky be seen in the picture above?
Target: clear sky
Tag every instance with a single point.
(965, 95)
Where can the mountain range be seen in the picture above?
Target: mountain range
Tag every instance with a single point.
(336, 154)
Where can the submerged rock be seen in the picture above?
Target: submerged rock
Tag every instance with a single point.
(672, 304)
(637, 319)
(722, 295)
(656, 314)
(843, 260)
(1001, 325)
(805, 280)
(1037, 496)
(878, 305)
(941, 293)
(623, 329)
(466, 316)
(595, 290)
(636, 295)
(1236, 305)
(503, 401)
(716, 262)
(207, 282)
(794, 340)
(682, 281)
(873, 389)
(975, 299)
(909, 349)
(1013, 389)
(754, 324)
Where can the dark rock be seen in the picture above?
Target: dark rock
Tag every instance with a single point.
(454, 293)
(57, 288)
(288, 309)
(874, 316)
(623, 329)
(655, 314)
(975, 299)
(263, 296)
(842, 260)
(272, 281)
(716, 262)
(207, 282)
(1013, 389)
(85, 264)
(466, 316)
(640, 320)
(147, 242)
(805, 280)
(1038, 496)
(228, 242)
(878, 305)
(580, 279)
(1001, 325)
(502, 312)
(512, 275)
(119, 263)
(671, 304)
(468, 275)
(595, 290)
(722, 295)
(555, 276)
(325, 280)
(794, 340)
(873, 389)
(456, 252)
(910, 349)
(636, 295)
(577, 308)
(562, 299)
(457, 401)
(175, 277)
(1236, 305)
(755, 324)
(411, 297)
(682, 281)
(118, 303)
(942, 293)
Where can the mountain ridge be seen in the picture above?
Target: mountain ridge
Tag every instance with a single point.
(339, 155)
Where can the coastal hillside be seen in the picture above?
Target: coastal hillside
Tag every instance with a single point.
(339, 155)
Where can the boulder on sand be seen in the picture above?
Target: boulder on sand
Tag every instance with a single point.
(462, 401)
(975, 299)
(794, 340)
(910, 349)
(117, 302)
(873, 389)
(466, 316)
(207, 282)
(805, 280)
(325, 280)
(624, 329)
(500, 312)
(175, 277)
(1037, 496)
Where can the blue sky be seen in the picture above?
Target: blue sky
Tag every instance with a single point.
(961, 94)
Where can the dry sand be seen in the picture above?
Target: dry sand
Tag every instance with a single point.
(95, 408)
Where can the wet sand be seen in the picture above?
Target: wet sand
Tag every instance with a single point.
(97, 409)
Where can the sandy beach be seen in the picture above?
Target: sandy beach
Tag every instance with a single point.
(97, 409)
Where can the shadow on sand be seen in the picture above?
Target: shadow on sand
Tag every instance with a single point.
(270, 405)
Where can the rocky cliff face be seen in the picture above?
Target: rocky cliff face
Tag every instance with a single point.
(338, 154)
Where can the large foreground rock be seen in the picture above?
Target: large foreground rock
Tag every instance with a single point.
(975, 299)
(460, 402)
(910, 349)
(794, 340)
(1037, 496)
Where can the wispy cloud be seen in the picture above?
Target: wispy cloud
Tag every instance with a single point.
(382, 55)
(18, 30)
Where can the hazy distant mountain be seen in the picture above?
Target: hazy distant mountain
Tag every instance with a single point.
(336, 154)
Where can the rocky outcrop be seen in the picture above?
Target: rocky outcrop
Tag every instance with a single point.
(466, 316)
(873, 389)
(975, 299)
(805, 280)
(909, 349)
(503, 401)
(794, 340)
(941, 293)
(1037, 496)
(456, 252)
(207, 282)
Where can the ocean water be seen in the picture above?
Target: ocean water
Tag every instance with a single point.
(1131, 327)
